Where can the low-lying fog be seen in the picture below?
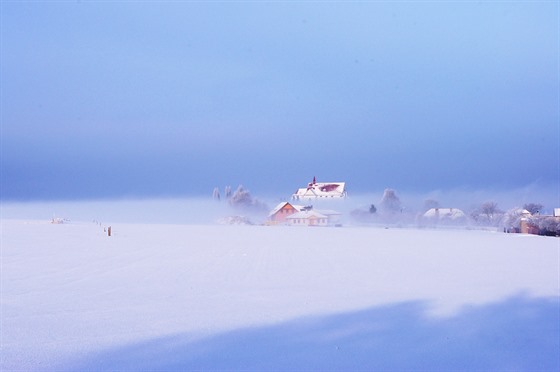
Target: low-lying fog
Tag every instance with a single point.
(206, 210)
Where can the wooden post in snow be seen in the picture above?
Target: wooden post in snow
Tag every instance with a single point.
(109, 231)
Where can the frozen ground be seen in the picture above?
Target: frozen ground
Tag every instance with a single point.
(170, 296)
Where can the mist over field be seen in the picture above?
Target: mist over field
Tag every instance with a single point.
(206, 210)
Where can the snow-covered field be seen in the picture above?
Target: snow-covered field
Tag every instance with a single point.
(186, 296)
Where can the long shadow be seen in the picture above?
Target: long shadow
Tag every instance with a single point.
(519, 334)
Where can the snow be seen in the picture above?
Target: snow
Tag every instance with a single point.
(321, 190)
(185, 296)
(307, 214)
(280, 206)
(445, 213)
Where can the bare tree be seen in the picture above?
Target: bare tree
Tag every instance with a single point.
(227, 192)
(488, 213)
(216, 194)
(548, 226)
(390, 202)
(512, 219)
(489, 209)
(242, 199)
(533, 208)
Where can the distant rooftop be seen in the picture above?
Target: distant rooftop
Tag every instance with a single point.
(315, 190)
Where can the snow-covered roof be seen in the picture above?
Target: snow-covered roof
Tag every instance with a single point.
(523, 212)
(281, 205)
(321, 190)
(451, 213)
(277, 208)
(307, 214)
(519, 212)
(328, 212)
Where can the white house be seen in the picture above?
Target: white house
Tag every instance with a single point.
(308, 218)
(445, 214)
(316, 190)
(314, 217)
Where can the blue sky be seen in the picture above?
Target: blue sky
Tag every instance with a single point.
(140, 99)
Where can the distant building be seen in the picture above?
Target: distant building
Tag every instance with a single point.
(313, 217)
(279, 214)
(537, 224)
(526, 226)
(445, 215)
(515, 220)
(317, 190)
(308, 218)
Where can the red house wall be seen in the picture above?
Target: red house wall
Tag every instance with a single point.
(284, 212)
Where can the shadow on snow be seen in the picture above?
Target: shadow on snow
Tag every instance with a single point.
(516, 334)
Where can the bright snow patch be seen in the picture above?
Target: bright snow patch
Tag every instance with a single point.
(164, 296)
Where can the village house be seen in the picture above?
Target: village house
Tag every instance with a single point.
(445, 215)
(313, 217)
(318, 190)
(542, 224)
(526, 226)
(308, 218)
(279, 214)
(515, 221)
(537, 224)
(286, 213)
